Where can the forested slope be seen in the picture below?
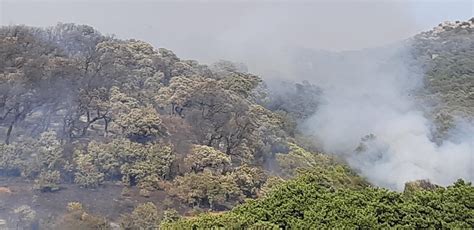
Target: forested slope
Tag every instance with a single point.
(447, 55)
(78, 107)
(81, 111)
(314, 199)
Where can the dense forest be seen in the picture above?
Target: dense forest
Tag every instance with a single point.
(103, 133)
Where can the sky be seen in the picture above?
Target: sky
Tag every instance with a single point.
(239, 30)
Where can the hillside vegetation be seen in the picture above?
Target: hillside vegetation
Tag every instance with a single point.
(447, 54)
(81, 108)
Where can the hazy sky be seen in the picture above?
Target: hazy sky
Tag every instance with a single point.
(210, 30)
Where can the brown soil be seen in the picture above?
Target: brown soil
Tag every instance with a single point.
(106, 200)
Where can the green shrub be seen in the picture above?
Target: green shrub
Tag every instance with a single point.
(48, 181)
(144, 216)
(329, 199)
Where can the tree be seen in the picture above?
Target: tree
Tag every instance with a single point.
(300, 100)
(77, 218)
(32, 157)
(48, 181)
(249, 179)
(206, 189)
(135, 121)
(170, 215)
(26, 216)
(299, 158)
(205, 157)
(11, 161)
(318, 199)
(145, 163)
(144, 216)
(30, 67)
(87, 174)
(134, 163)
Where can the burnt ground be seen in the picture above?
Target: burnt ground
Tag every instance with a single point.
(106, 200)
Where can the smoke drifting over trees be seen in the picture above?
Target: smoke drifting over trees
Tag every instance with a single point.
(376, 94)
(100, 132)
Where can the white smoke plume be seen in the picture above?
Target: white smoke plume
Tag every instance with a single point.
(373, 95)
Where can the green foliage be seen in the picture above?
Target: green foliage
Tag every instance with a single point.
(299, 158)
(144, 216)
(87, 174)
(141, 122)
(114, 106)
(249, 179)
(206, 189)
(446, 53)
(242, 84)
(77, 218)
(297, 100)
(41, 159)
(221, 114)
(26, 216)
(325, 199)
(45, 153)
(134, 120)
(170, 215)
(134, 162)
(269, 133)
(74, 206)
(205, 157)
(145, 162)
(414, 186)
(10, 161)
(271, 183)
(48, 181)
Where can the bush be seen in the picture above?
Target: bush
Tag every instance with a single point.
(249, 179)
(134, 163)
(299, 158)
(322, 199)
(48, 181)
(10, 160)
(170, 215)
(87, 174)
(26, 216)
(206, 189)
(144, 216)
(30, 156)
(205, 157)
(77, 218)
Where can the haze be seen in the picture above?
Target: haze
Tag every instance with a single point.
(363, 92)
(244, 31)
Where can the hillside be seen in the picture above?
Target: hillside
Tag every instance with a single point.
(102, 133)
(83, 111)
(447, 53)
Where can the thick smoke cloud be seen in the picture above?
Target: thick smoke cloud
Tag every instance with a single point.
(371, 93)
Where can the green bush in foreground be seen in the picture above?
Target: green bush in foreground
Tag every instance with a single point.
(321, 199)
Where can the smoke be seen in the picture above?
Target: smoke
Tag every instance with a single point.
(369, 117)
(243, 31)
(364, 92)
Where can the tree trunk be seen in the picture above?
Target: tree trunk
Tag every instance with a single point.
(106, 127)
(9, 132)
(172, 108)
